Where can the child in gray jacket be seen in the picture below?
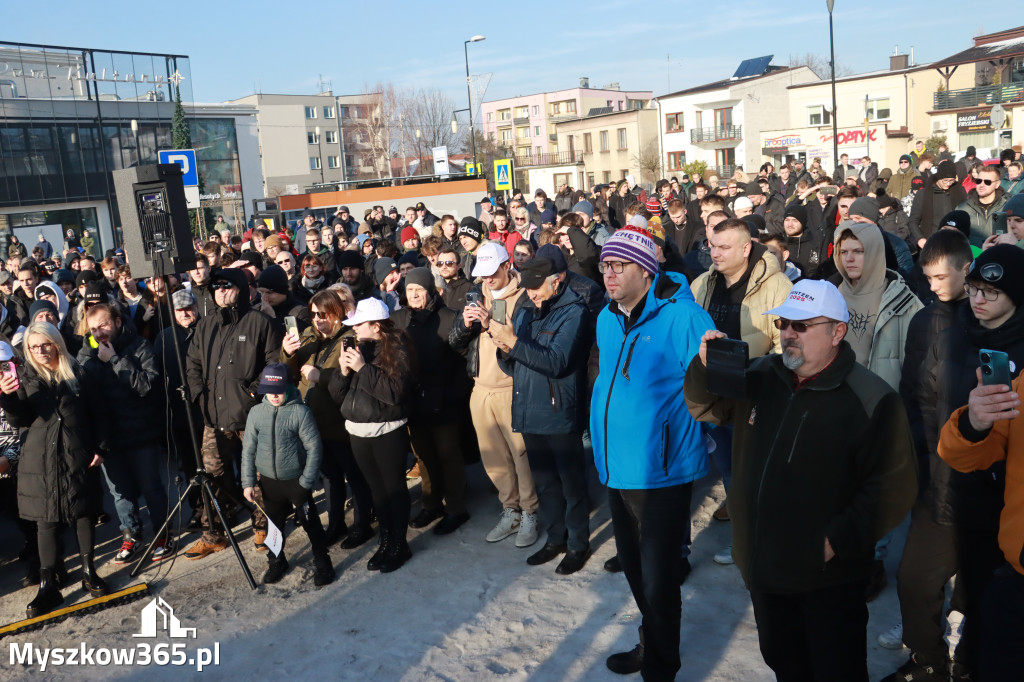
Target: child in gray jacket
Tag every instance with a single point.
(282, 443)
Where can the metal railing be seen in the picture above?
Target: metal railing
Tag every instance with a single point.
(521, 120)
(978, 97)
(716, 133)
(550, 159)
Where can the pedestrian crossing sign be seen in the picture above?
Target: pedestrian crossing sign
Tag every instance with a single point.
(502, 174)
(470, 169)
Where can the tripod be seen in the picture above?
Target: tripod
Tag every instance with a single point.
(202, 479)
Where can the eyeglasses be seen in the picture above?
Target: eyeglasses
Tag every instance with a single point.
(987, 182)
(447, 263)
(322, 314)
(520, 220)
(222, 285)
(615, 266)
(783, 324)
(987, 294)
(283, 261)
(41, 348)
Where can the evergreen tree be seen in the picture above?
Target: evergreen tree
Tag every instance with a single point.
(181, 138)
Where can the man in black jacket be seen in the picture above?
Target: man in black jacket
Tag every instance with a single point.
(353, 273)
(276, 293)
(804, 527)
(200, 276)
(456, 286)
(230, 349)
(120, 363)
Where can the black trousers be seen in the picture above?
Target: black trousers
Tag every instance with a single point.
(50, 549)
(337, 465)
(557, 463)
(929, 561)
(1002, 627)
(280, 497)
(649, 527)
(439, 447)
(816, 636)
(382, 461)
(979, 557)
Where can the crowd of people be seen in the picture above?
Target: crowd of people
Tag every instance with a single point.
(540, 337)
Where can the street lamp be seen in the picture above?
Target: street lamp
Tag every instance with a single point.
(469, 97)
(832, 67)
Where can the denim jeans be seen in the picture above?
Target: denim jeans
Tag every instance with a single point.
(132, 474)
(557, 463)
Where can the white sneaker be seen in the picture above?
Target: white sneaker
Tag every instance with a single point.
(527, 530)
(954, 625)
(724, 557)
(507, 525)
(893, 637)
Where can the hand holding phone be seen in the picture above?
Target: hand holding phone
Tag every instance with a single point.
(995, 367)
(499, 310)
(291, 325)
(727, 367)
(9, 373)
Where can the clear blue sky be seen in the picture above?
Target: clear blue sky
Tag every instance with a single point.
(236, 48)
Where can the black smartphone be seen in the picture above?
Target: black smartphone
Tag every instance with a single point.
(498, 311)
(727, 368)
(348, 343)
(995, 367)
(999, 223)
(474, 298)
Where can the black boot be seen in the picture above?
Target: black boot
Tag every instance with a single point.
(628, 662)
(323, 570)
(357, 536)
(396, 556)
(91, 581)
(276, 568)
(32, 576)
(377, 559)
(48, 598)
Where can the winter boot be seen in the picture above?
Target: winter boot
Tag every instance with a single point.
(48, 598)
(396, 556)
(276, 568)
(91, 581)
(628, 662)
(323, 570)
(377, 559)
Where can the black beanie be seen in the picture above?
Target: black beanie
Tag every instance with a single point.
(1001, 266)
(41, 305)
(86, 276)
(275, 279)
(348, 258)
(471, 227)
(958, 219)
(946, 170)
(796, 210)
(235, 276)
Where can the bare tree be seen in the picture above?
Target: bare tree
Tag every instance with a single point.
(379, 130)
(429, 111)
(819, 65)
(648, 160)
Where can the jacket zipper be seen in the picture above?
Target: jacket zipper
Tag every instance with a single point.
(551, 391)
(273, 442)
(760, 484)
(664, 447)
(796, 437)
(629, 357)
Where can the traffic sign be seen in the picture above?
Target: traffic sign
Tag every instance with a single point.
(502, 174)
(186, 158)
(470, 168)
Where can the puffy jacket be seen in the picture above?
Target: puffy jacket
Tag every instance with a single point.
(282, 443)
(982, 217)
(968, 454)
(55, 481)
(324, 354)
(130, 385)
(548, 365)
(661, 445)
(230, 348)
(900, 183)
(786, 497)
(371, 395)
(767, 288)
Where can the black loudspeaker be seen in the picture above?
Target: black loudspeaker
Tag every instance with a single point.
(154, 219)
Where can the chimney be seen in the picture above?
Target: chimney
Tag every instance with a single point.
(898, 62)
(584, 82)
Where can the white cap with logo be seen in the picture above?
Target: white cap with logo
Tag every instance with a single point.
(810, 298)
(489, 258)
(368, 310)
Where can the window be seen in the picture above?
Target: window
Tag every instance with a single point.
(314, 163)
(522, 112)
(344, 111)
(523, 133)
(570, 106)
(676, 160)
(673, 122)
(536, 110)
(328, 112)
(878, 109)
(723, 119)
(490, 116)
(1017, 70)
(556, 108)
(726, 159)
(607, 177)
(604, 141)
(622, 138)
(333, 162)
(332, 137)
(349, 161)
(588, 144)
(590, 180)
(818, 115)
(623, 173)
(536, 131)
(700, 119)
(310, 112)
(560, 179)
(540, 150)
(506, 135)
(505, 115)
(312, 137)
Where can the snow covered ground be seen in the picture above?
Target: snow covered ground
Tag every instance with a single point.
(461, 609)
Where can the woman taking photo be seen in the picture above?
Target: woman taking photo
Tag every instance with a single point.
(58, 474)
(372, 387)
(313, 357)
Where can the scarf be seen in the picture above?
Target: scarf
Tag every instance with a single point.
(312, 284)
(863, 297)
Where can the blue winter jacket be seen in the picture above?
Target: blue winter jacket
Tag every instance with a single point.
(548, 365)
(282, 443)
(643, 435)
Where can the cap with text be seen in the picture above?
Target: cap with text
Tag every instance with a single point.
(812, 298)
(489, 258)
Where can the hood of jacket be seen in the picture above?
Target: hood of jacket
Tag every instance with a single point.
(62, 300)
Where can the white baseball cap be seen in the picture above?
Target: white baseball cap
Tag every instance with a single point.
(490, 256)
(810, 298)
(369, 310)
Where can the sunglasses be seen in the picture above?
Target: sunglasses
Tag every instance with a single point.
(222, 285)
(322, 314)
(799, 327)
(447, 263)
(987, 182)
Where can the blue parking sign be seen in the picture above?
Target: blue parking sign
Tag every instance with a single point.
(186, 158)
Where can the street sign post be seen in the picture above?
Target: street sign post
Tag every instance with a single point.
(502, 174)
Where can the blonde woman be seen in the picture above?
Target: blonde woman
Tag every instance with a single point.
(58, 474)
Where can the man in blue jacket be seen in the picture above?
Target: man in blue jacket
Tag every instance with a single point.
(648, 458)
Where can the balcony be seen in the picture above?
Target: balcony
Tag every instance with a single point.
(549, 159)
(716, 134)
(985, 95)
(521, 120)
(564, 116)
(523, 141)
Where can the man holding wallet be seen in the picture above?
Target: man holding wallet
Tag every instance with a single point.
(823, 466)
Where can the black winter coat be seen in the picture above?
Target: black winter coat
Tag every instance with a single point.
(164, 351)
(130, 385)
(455, 292)
(371, 395)
(230, 349)
(585, 256)
(204, 299)
(55, 482)
(930, 205)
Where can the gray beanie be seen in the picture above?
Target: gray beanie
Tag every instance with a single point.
(421, 277)
(584, 207)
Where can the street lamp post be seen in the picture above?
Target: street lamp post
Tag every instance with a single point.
(832, 68)
(469, 97)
